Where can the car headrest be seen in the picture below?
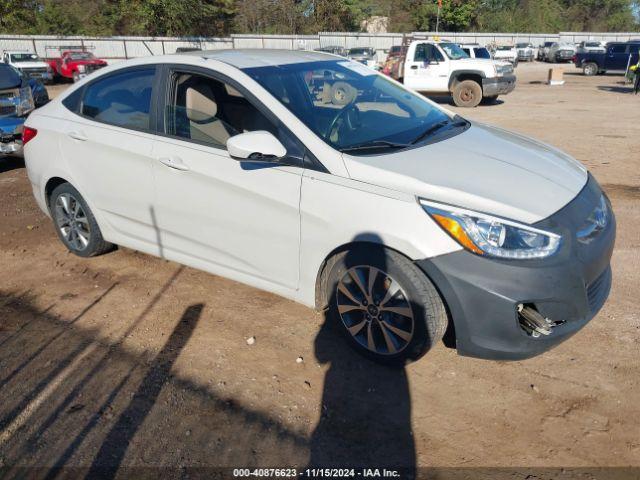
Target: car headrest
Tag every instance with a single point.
(201, 103)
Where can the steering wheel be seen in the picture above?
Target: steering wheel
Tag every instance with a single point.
(351, 116)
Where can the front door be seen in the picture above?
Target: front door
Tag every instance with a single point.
(241, 219)
(428, 70)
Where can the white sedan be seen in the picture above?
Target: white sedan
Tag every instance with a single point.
(319, 179)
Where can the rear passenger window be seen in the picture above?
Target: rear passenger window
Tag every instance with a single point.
(619, 49)
(122, 99)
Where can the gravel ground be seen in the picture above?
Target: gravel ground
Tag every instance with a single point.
(131, 361)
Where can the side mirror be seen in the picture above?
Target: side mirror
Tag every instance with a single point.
(259, 146)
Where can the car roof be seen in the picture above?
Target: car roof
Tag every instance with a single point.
(259, 57)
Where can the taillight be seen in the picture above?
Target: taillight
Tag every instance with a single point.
(28, 134)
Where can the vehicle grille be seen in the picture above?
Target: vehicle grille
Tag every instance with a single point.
(93, 68)
(598, 290)
(39, 71)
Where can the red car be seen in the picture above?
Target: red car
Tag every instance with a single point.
(74, 63)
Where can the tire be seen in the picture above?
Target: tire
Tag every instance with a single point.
(590, 69)
(342, 93)
(467, 93)
(75, 224)
(419, 318)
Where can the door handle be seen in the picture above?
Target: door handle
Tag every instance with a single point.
(174, 162)
(78, 136)
(414, 67)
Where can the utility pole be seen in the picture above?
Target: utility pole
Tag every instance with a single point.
(438, 16)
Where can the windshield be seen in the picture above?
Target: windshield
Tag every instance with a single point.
(453, 51)
(522, 45)
(24, 57)
(347, 104)
(504, 49)
(482, 53)
(592, 44)
(359, 51)
(81, 56)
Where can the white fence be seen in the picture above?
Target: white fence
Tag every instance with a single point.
(115, 48)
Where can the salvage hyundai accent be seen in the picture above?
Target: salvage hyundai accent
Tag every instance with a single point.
(319, 179)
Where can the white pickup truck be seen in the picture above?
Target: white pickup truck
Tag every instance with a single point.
(443, 67)
(28, 63)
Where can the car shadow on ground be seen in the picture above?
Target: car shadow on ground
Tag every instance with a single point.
(447, 100)
(71, 397)
(616, 89)
(8, 163)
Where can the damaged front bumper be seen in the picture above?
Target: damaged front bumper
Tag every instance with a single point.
(11, 135)
(498, 85)
(511, 310)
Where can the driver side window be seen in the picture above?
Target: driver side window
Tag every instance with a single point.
(426, 52)
(209, 111)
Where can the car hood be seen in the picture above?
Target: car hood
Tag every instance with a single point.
(30, 65)
(485, 169)
(478, 63)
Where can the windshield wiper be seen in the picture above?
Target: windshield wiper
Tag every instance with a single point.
(374, 144)
(458, 122)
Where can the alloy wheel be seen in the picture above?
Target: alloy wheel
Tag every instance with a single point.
(375, 310)
(72, 221)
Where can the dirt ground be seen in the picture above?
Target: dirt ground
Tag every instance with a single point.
(131, 361)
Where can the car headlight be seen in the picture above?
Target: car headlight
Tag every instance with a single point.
(81, 68)
(25, 102)
(491, 236)
(596, 222)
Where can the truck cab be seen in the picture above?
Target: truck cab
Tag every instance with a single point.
(443, 67)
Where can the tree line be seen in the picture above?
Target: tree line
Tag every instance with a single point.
(214, 18)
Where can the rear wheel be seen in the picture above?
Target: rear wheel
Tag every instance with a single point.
(590, 69)
(467, 93)
(387, 308)
(75, 224)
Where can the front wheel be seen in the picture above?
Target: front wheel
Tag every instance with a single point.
(467, 93)
(75, 224)
(590, 69)
(386, 306)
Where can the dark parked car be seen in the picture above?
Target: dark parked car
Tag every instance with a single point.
(16, 102)
(614, 59)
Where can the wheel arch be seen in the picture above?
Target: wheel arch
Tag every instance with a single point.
(322, 302)
(50, 186)
(461, 75)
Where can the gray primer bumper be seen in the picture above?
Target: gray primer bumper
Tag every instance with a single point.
(482, 294)
(498, 85)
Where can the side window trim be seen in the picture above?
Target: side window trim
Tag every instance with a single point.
(165, 71)
(152, 107)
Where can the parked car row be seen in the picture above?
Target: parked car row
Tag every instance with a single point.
(65, 62)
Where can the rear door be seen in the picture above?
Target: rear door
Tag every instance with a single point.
(426, 69)
(107, 144)
(617, 56)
